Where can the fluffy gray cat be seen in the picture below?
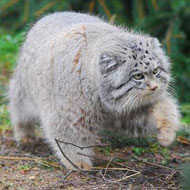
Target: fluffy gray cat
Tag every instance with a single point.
(77, 74)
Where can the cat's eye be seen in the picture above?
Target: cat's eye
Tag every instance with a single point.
(155, 71)
(138, 76)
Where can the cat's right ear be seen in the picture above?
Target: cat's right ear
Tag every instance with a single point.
(107, 62)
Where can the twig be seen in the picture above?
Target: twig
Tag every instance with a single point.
(171, 175)
(104, 160)
(154, 164)
(126, 177)
(17, 158)
(83, 147)
(108, 166)
(43, 162)
(38, 160)
(75, 166)
(68, 174)
(121, 179)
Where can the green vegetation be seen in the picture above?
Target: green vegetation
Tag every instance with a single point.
(167, 20)
(185, 176)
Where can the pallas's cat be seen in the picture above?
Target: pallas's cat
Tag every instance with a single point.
(77, 74)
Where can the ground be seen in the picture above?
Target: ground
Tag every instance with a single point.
(135, 164)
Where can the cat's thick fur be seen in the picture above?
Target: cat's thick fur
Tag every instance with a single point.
(77, 74)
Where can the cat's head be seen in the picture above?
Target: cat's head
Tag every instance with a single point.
(132, 73)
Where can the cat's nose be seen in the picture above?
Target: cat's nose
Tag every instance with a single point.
(152, 85)
(153, 88)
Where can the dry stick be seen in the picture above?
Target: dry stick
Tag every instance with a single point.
(57, 142)
(68, 174)
(126, 168)
(100, 145)
(83, 147)
(121, 179)
(17, 158)
(57, 160)
(38, 160)
(171, 175)
(154, 164)
(108, 166)
(43, 162)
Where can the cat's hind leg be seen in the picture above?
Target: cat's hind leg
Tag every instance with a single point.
(23, 116)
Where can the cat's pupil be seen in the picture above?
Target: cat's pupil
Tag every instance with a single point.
(139, 76)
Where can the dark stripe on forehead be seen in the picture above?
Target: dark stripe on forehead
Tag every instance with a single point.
(135, 70)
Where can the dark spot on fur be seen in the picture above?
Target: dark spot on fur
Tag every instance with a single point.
(136, 64)
(146, 51)
(134, 57)
(153, 58)
(122, 61)
(150, 58)
(147, 44)
(145, 67)
(129, 57)
(140, 43)
(147, 63)
(141, 63)
(139, 49)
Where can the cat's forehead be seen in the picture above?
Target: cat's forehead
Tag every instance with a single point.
(144, 60)
(140, 54)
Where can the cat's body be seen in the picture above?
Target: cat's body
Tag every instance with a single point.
(75, 76)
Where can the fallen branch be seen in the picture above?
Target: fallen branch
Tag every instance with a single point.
(74, 165)
(37, 160)
(83, 147)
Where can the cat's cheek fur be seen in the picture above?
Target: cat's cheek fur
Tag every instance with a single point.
(167, 117)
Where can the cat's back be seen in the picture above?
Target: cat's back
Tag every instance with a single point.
(53, 24)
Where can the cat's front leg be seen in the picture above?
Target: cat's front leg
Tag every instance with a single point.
(167, 116)
(70, 139)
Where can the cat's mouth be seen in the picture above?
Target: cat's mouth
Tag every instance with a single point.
(147, 92)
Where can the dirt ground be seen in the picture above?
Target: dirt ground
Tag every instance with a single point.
(35, 168)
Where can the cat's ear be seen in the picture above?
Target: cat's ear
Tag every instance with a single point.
(107, 62)
(155, 43)
(159, 51)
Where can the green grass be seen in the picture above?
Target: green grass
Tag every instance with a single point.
(185, 179)
(9, 46)
(4, 115)
(185, 111)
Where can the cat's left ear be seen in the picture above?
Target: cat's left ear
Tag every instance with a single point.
(155, 42)
(108, 62)
(161, 54)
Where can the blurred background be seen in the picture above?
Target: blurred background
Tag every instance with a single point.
(168, 20)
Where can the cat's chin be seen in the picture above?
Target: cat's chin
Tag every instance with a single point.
(123, 106)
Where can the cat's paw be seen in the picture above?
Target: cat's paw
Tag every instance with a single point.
(166, 137)
(84, 166)
(81, 165)
(27, 142)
